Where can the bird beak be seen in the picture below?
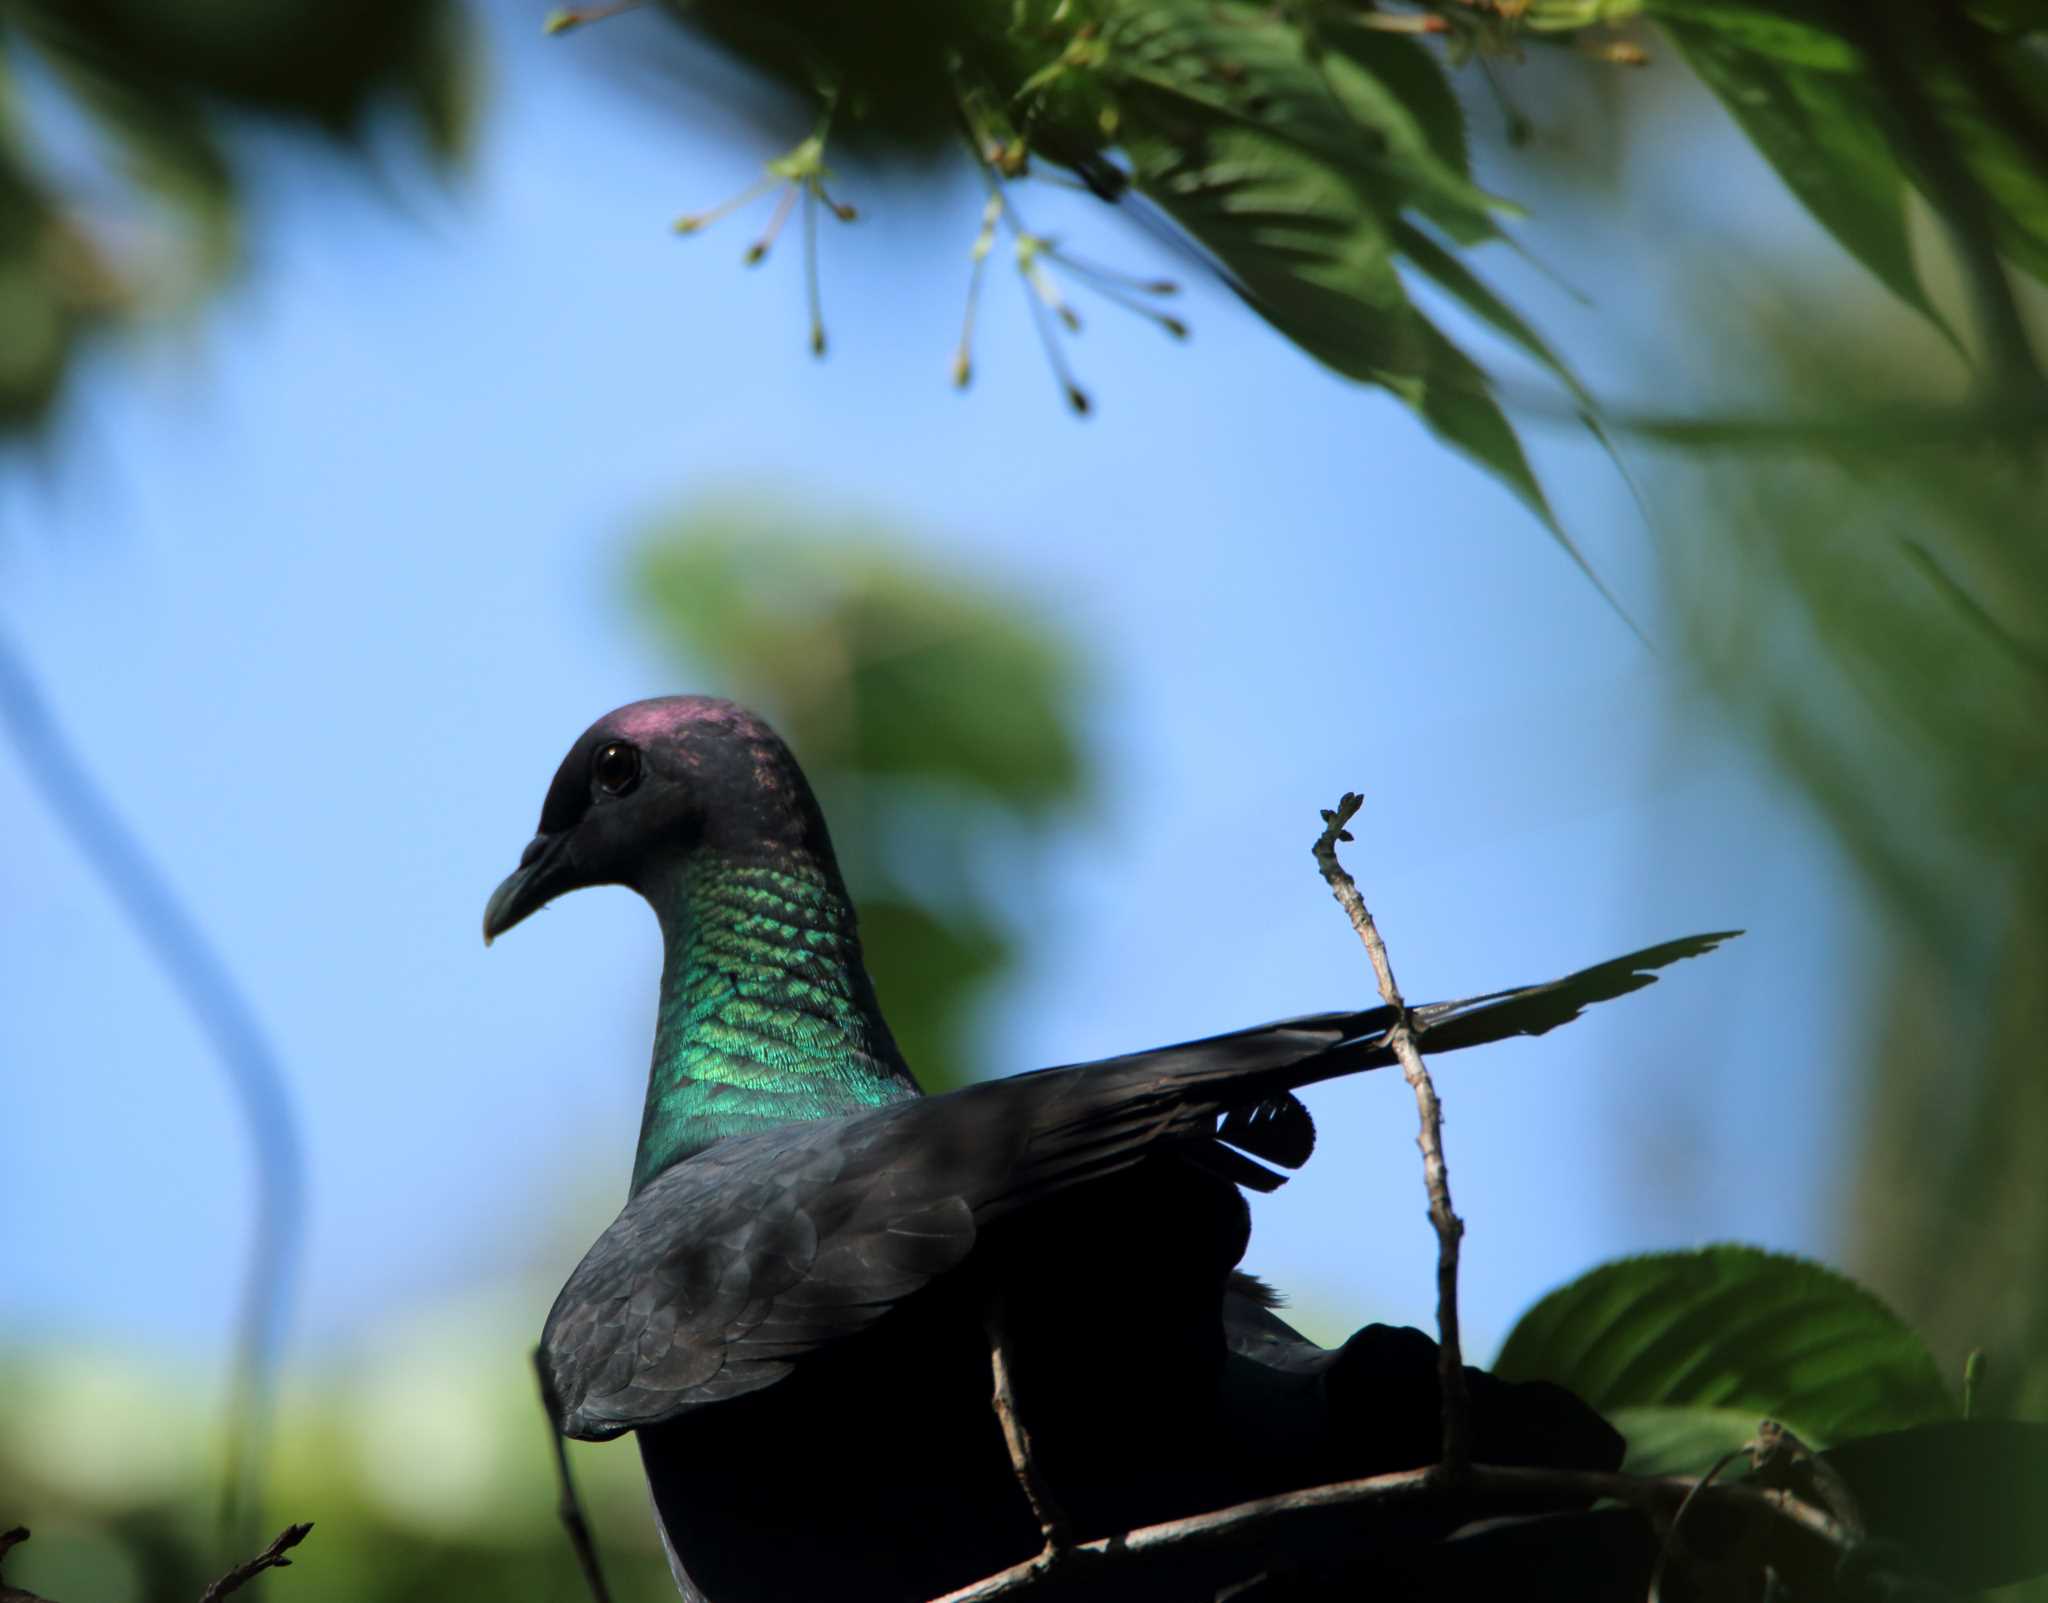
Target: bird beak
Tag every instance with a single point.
(528, 888)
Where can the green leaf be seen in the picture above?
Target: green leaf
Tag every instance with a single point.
(1416, 79)
(1681, 1441)
(1822, 128)
(438, 75)
(1964, 1498)
(1315, 257)
(2009, 16)
(1252, 65)
(1295, 237)
(1763, 31)
(1443, 268)
(2005, 161)
(1402, 109)
(1455, 398)
(1732, 1328)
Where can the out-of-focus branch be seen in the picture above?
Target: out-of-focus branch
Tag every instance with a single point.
(208, 987)
(1450, 1229)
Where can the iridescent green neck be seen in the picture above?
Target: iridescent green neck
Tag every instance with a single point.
(767, 1013)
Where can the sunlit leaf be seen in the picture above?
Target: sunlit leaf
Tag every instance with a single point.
(1762, 31)
(1415, 77)
(1681, 1441)
(1375, 116)
(1298, 241)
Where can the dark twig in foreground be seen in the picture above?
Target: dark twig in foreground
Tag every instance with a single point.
(1455, 1479)
(1653, 1495)
(1449, 1227)
(1052, 1521)
(568, 1506)
(271, 1558)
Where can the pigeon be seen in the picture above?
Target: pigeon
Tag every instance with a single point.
(795, 1311)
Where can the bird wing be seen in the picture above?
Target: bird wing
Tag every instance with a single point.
(727, 1268)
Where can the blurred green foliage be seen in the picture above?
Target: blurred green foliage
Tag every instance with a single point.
(937, 717)
(165, 85)
(422, 1461)
(1311, 151)
(1873, 609)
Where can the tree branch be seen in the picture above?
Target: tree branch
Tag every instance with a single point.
(1450, 1229)
(1425, 1485)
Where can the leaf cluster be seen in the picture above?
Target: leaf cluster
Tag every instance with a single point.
(1314, 153)
(1701, 1358)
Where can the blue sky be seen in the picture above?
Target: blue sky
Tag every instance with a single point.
(325, 589)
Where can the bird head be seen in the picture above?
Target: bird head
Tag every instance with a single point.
(645, 787)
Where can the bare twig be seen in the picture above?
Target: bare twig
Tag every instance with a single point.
(568, 1506)
(271, 1558)
(1457, 1405)
(1052, 1520)
(1670, 1543)
(1409, 1485)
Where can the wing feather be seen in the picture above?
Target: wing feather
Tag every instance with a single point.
(728, 1268)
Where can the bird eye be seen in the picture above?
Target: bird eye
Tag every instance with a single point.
(616, 768)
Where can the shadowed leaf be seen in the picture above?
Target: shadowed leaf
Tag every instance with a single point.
(1817, 119)
(1964, 1498)
(1731, 1328)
